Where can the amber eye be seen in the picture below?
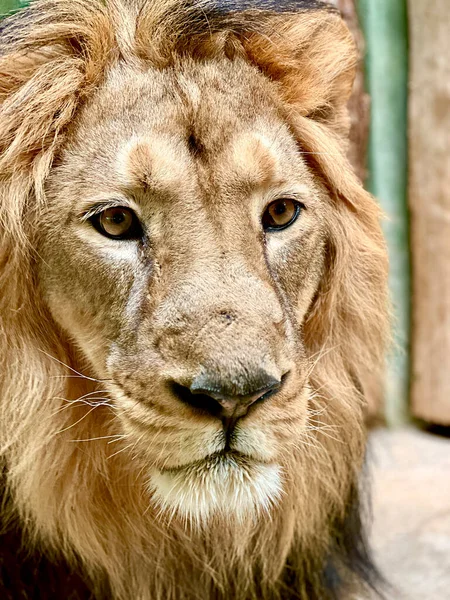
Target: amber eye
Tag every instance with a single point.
(118, 222)
(281, 213)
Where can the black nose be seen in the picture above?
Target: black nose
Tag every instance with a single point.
(226, 400)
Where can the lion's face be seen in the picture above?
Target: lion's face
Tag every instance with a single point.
(193, 317)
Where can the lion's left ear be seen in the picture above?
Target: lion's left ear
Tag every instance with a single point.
(313, 57)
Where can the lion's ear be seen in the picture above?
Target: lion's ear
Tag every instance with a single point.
(313, 57)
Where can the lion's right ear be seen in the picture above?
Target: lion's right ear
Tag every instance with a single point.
(312, 55)
(50, 54)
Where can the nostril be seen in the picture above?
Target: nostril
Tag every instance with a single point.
(273, 387)
(201, 401)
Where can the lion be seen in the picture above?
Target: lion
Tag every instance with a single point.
(193, 303)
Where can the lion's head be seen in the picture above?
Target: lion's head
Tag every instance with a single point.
(193, 292)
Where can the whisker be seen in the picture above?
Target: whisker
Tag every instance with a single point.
(322, 432)
(124, 437)
(119, 451)
(321, 153)
(72, 403)
(318, 357)
(69, 367)
(103, 437)
(76, 422)
(78, 377)
(88, 395)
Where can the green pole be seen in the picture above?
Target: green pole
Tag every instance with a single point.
(8, 6)
(384, 24)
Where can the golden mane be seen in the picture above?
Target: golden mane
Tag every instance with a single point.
(53, 56)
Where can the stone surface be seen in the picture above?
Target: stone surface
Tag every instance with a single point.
(411, 509)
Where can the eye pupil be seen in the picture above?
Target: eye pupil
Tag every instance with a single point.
(281, 214)
(280, 208)
(118, 218)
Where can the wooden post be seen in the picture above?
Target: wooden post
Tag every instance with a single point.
(429, 200)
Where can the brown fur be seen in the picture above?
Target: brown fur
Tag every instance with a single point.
(208, 115)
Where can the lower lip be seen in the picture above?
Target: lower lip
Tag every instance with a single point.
(231, 455)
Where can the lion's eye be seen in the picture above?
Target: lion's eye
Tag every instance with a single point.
(118, 222)
(281, 213)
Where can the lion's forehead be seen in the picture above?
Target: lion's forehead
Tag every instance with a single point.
(153, 129)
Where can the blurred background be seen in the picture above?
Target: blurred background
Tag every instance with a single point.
(400, 147)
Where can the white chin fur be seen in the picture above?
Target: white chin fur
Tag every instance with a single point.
(218, 486)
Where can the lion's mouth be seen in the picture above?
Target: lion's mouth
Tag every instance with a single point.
(231, 458)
